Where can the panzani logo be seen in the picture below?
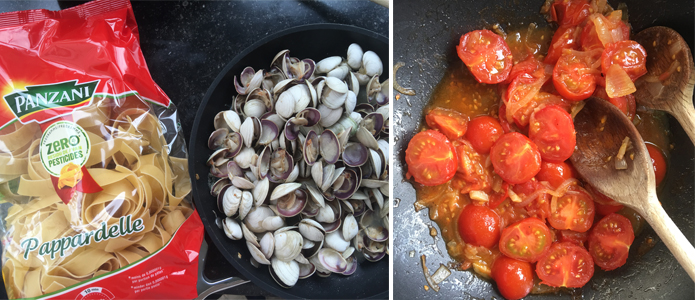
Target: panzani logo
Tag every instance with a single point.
(37, 98)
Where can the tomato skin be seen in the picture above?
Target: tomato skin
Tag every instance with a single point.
(574, 211)
(610, 240)
(514, 278)
(453, 124)
(570, 12)
(573, 76)
(479, 226)
(527, 240)
(629, 55)
(565, 37)
(483, 132)
(555, 173)
(565, 265)
(486, 54)
(431, 158)
(552, 130)
(515, 158)
(471, 168)
(603, 204)
(578, 238)
(627, 104)
(658, 161)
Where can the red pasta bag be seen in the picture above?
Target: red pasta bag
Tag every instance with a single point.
(94, 186)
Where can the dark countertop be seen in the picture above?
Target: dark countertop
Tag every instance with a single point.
(187, 43)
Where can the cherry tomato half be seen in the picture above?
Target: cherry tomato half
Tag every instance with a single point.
(552, 130)
(573, 75)
(527, 240)
(479, 226)
(574, 211)
(578, 238)
(515, 158)
(513, 277)
(486, 54)
(449, 122)
(610, 240)
(565, 37)
(555, 173)
(483, 132)
(658, 161)
(629, 55)
(565, 265)
(431, 158)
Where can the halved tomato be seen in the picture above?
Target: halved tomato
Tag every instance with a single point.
(451, 123)
(483, 132)
(530, 65)
(629, 55)
(555, 173)
(574, 75)
(486, 54)
(479, 226)
(610, 240)
(552, 130)
(431, 158)
(515, 158)
(565, 265)
(527, 240)
(574, 211)
(565, 37)
(520, 97)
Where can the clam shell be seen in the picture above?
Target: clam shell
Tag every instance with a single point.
(285, 273)
(332, 260)
(310, 148)
(284, 189)
(350, 227)
(232, 229)
(334, 240)
(355, 155)
(267, 244)
(231, 200)
(372, 64)
(288, 244)
(257, 254)
(269, 132)
(246, 204)
(255, 217)
(311, 230)
(329, 146)
(327, 64)
(354, 56)
(250, 236)
(272, 223)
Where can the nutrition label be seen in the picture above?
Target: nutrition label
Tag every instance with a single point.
(148, 280)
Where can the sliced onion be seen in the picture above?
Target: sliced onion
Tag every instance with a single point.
(441, 274)
(619, 84)
(429, 279)
(478, 195)
(622, 150)
(397, 86)
(602, 28)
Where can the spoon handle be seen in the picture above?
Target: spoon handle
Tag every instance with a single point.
(670, 234)
(684, 113)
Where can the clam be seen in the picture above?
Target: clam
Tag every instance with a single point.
(354, 56)
(288, 244)
(285, 273)
(298, 161)
(232, 228)
(248, 80)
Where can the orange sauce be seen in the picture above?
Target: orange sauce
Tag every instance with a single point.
(458, 90)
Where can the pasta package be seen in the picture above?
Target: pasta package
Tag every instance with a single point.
(94, 185)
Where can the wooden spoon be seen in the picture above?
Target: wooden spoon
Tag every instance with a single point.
(601, 128)
(669, 84)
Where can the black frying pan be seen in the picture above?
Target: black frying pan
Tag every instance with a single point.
(425, 35)
(371, 280)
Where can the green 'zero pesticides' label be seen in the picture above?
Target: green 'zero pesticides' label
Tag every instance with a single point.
(63, 142)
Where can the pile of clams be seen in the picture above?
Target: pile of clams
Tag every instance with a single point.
(300, 164)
